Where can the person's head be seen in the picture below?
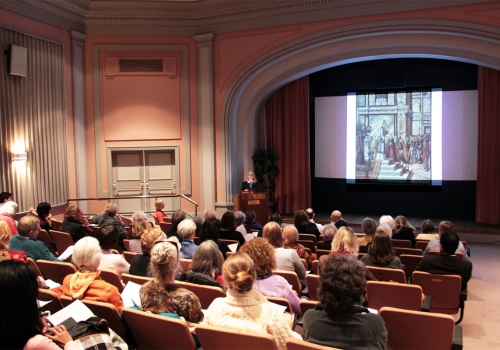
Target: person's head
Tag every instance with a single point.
(449, 242)
(198, 221)
(73, 213)
(335, 216)
(107, 235)
(140, 224)
(4, 236)
(9, 208)
(345, 239)
(43, 209)
(384, 228)
(228, 221)
(87, 254)
(186, 229)
(210, 214)
(342, 284)
(446, 226)
(177, 217)
(6, 197)
(251, 176)
(159, 205)
(290, 234)
(111, 209)
(239, 272)
(262, 254)
(240, 217)
(388, 220)
(28, 226)
(329, 232)
(163, 260)
(150, 237)
(207, 259)
(310, 213)
(272, 232)
(369, 226)
(427, 226)
(401, 222)
(250, 216)
(340, 223)
(301, 218)
(210, 230)
(19, 319)
(380, 249)
(275, 217)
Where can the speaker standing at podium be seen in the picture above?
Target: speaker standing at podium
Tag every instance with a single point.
(251, 184)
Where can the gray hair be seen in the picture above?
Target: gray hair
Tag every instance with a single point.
(186, 228)
(139, 214)
(240, 217)
(329, 231)
(9, 208)
(385, 228)
(87, 254)
(387, 219)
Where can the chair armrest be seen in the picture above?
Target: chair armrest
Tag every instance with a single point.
(463, 294)
(298, 320)
(426, 306)
(468, 251)
(458, 343)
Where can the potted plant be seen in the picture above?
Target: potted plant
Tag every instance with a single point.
(266, 170)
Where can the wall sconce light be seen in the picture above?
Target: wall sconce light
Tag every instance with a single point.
(19, 156)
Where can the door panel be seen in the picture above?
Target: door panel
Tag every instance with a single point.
(160, 174)
(128, 179)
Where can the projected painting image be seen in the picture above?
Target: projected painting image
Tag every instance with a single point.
(393, 137)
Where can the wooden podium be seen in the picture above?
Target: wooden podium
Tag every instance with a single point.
(258, 202)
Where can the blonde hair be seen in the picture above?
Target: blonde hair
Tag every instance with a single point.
(111, 209)
(149, 237)
(239, 272)
(140, 224)
(163, 260)
(158, 204)
(290, 234)
(272, 231)
(87, 254)
(5, 236)
(345, 239)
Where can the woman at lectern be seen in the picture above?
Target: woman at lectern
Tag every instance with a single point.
(251, 184)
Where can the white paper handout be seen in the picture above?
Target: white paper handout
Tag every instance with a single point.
(76, 310)
(51, 284)
(131, 295)
(278, 307)
(233, 247)
(66, 253)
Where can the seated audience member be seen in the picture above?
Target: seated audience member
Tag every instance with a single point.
(250, 223)
(264, 259)
(211, 214)
(340, 223)
(43, 213)
(427, 234)
(187, 230)
(228, 228)
(328, 234)
(340, 321)
(446, 262)
(140, 224)
(286, 259)
(5, 236)
(177, 217)
(244, 308)
(403, 230)
(7, 213)
(251, 184)
(107, 236)
(140, 263)
(387, 220)
(304, 226)
(75, 223)
(240, 217)
(310, 213)
(21, 326)
(291, 236)
(26, 241)
(210, 231)
(434, 243)
(206, 266)
(162, 294)
(380, 252)
(86, 283)
(5, 197)
(109, 217)
(369, 226)
(275, 217)
(335, 216)
(160, 215)
(198, 221)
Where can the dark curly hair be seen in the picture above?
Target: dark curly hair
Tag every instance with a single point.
(262, 254)
(301, 219)
(342, 284)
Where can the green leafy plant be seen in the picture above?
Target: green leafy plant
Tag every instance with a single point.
(265, 167)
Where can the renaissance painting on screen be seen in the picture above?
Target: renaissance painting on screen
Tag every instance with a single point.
(393, 137)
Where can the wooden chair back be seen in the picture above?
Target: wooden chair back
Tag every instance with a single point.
(113, 278)
(296, 344)
(307, 305)
(35, 267)
(62, 240)
(402, 296)
(49, 295)
(315, 267)
(231, 241)
(157, 222)
(126, 243)
(444, 289)
(165, 226)
(308, 244)
(206, 294)
(410, 262)
(129, 256)
(428, 330)
(401, 243)
(158, 332)
(124, 220)
(55, 270)
(304, 262)
(409, 251)
(56, 224)
(308, 237)
(459, 255)
(281, 301)
(321, 252)
(312, 286)
(136, 279)
(292, 279)
(421, 245)
(215, 338)
(45, 238)
(387, 275)
(185, 264)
